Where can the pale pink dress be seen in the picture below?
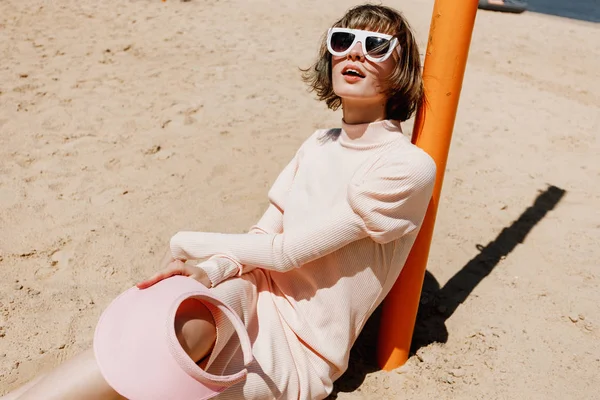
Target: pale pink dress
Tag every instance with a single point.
(344, 214)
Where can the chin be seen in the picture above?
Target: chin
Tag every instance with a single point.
(351, 94)
(349, 91)
(356, 91)
(357, 94)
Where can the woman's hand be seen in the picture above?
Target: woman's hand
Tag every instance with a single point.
(177, 267)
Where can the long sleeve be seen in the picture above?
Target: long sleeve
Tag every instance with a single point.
(278, 252)
(220, 267)
(384, 204)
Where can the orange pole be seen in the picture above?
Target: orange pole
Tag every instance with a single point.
(447, 50)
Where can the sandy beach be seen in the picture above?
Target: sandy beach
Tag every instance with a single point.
(122, 123)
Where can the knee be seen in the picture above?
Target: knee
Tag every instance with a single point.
(195, 329)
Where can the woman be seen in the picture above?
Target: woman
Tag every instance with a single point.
(342, 218)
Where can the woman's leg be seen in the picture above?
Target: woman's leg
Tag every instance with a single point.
(80, 377)
(195, 328)
(14, 395)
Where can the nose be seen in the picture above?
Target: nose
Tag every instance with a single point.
(356, 53)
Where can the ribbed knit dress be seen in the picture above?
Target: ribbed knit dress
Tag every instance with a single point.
(342, 218)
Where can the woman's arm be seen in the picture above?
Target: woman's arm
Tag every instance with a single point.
(278, 252)
(385, 205)
(220, 267)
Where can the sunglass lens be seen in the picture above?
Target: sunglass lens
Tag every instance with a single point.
(341, 41)
(377, 47)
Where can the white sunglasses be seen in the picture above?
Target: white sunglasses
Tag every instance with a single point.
(377, 47)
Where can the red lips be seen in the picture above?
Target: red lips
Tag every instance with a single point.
(353, 71)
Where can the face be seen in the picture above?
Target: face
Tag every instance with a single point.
(354, 77)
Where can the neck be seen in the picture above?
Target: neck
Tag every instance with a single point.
(369, 135)
(361, 112)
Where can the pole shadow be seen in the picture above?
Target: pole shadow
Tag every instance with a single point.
(438, 304)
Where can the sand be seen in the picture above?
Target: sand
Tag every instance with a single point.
(124, 122)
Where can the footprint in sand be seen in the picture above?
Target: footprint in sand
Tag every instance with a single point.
(61, 258)
(55, 119)
(107, 196)
(59, 263)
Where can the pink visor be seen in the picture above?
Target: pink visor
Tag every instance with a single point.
(138, 352)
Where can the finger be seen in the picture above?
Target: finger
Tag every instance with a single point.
(163, 275)
(176, 264)
(159, 277)
(153, 280)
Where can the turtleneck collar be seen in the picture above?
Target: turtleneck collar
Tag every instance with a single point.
(369, 135)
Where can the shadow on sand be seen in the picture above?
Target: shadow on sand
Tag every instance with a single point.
(438, 304)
